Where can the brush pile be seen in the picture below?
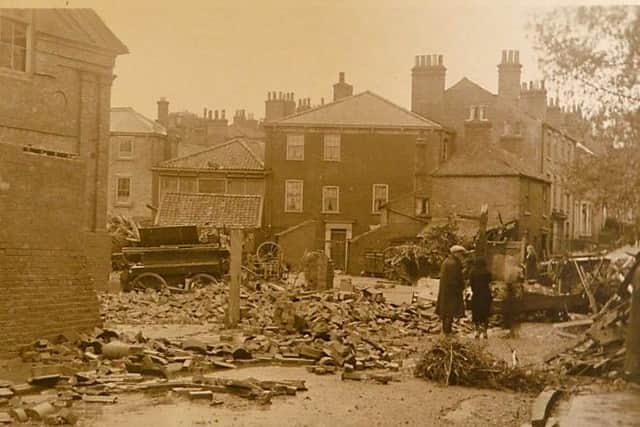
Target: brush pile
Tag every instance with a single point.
(454, 362)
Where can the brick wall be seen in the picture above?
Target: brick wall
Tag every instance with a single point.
(366, 159)
(45, 286)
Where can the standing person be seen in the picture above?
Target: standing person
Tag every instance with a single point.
(511, 304)
(531, 264)
(480, 280)
(450, 301)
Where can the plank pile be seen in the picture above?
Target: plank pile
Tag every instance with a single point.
(599, 350)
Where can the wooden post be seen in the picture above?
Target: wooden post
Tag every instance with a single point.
(235, 271)
(481, 246)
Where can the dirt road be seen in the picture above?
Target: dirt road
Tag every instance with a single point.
(328, 402)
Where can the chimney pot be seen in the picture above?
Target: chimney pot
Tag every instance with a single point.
(504, 56)
(417, 61)
(341, 76)
(440, 60)
(216, 115)
(428, 60)
(516, 57)
(321, 101)
(204, 112)
(223, 114)
(209, 114)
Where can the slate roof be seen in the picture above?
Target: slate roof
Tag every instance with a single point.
(235, 154)
(488, 161)
(236, 130)
(128, 120)
(211, 210)
(365, 109)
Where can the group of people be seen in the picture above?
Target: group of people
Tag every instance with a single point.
(450, 303)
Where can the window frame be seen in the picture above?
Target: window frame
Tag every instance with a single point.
(223, 180)
(125, 155)
(328, 187)
(290, 144)
(373, 197)
(128, 201)
(338, 147)
(13, 46)
(286, 192)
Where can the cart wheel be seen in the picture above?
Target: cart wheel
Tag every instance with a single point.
(201, 280)
(269, 251)
(149, 281)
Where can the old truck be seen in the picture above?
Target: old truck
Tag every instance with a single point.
(173, 257)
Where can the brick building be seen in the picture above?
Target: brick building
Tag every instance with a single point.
(234, 167)
(56, 71)
(332, 167)
(137, 144)
(191, 132)
(521, 120)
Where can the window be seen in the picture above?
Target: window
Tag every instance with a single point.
(212, 185)
(422, 206)
(125, 149)
(585, 219)
(476, 112)
(332, 147)
(295, 147)
(330, 199)
(293, 195)
(444, 149)
(13, 45)
(380, 197)
(255, 187)
(235, 186)
(123, 190)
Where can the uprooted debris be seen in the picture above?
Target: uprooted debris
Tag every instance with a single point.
(451, 361)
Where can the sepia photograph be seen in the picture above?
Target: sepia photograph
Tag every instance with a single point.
(320, 213)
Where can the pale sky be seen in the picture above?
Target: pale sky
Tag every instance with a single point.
(228, 54)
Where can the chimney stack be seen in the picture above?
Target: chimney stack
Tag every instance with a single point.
(342, 89)
(163, 112)
(428, 79)
(509, 72)
(533, 99)
(217, 116)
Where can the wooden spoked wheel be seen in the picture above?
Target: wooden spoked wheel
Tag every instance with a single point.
(149, 281)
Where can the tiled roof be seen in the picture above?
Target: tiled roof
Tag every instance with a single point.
(487, 161)
(363, 110)
(235, 154)
(212, 210)
(128, 120)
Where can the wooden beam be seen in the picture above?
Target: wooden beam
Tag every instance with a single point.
(235, 271)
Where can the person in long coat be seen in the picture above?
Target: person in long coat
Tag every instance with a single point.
(480, 281)
(450, 302)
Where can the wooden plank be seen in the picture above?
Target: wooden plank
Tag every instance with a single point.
(572, 323)
(592, 301)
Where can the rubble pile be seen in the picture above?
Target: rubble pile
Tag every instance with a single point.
(205, 305)
(99, 367)
(353, 329)
(450, 361)
(599, 350)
